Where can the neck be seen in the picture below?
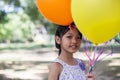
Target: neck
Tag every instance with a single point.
(67, 57)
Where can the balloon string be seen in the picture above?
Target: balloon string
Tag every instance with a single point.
(100, 53)
(90, 69)
(94, 55)
(95, 58)
(91, 49)
(87, 47)
(110, 53)
(90, 60)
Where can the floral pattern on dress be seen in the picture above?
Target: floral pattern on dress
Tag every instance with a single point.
(71, 72)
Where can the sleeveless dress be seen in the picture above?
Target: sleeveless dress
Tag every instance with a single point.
(72, 72)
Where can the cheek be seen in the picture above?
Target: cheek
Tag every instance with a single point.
(65, 42)
(79, 42)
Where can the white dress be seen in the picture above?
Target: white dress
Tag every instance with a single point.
(69, 72)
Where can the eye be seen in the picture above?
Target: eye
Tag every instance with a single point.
(78, 37)
(70, 37)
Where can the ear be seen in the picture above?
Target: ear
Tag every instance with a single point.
(58, 40)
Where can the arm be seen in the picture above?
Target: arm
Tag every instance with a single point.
(54, 71)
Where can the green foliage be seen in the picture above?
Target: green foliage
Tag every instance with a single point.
(21, 22)
(19, 27)
(8, 2)
(3, 18)
(31, 9)
(117, 38)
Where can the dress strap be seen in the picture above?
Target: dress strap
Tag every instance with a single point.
(60, 61)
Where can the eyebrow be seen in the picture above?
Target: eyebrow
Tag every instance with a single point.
(69, 33)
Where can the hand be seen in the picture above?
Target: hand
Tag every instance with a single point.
(90, 76)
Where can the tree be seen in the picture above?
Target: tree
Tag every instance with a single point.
(19, 17)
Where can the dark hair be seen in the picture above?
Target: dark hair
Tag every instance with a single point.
(61, 30)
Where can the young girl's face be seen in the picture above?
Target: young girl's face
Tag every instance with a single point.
(70, 41)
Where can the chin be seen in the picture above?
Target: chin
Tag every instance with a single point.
(74, 51)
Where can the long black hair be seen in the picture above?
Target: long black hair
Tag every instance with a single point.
(61, 30)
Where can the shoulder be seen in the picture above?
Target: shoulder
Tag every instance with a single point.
(55, 66)
(54, 71)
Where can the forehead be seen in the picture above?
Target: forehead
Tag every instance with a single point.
(73, 31)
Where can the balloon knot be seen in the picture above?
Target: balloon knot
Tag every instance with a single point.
(70, 26)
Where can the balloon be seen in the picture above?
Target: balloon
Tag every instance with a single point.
(98, 20)
(56, 11)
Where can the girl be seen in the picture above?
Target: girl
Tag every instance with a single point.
(66, 67)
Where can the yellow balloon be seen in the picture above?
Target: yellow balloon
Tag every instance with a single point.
(98, 20)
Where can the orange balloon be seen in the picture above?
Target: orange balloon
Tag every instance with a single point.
(56, 11)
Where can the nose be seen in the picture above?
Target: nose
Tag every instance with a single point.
(74, 40)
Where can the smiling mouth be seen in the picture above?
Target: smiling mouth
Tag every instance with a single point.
(73, 46)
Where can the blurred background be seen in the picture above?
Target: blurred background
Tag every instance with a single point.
(27, 45)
